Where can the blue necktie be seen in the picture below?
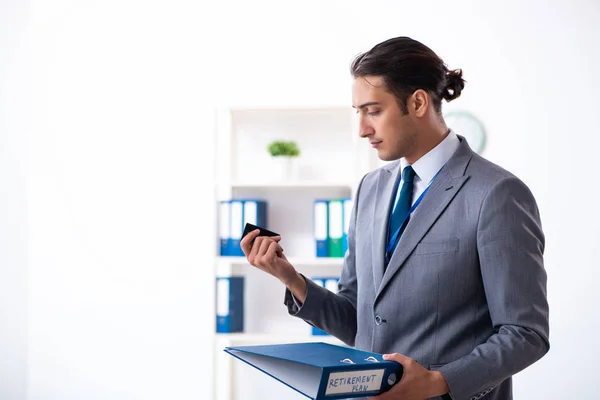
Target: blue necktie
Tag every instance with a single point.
(404, 202)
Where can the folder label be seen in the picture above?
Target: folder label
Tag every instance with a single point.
(336, 229)
(222, 297)
(336, 225)
(236, 219)
(321, 220)
(237, 227)
(354, 381)
(251, 212)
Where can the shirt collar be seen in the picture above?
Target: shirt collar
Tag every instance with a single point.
(428, 165)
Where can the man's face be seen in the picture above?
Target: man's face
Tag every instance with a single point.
(392, 133)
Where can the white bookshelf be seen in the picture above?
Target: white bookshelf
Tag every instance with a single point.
(293, 260)
(296, 184)
(333, 159)
(257, 338)
(238, 266)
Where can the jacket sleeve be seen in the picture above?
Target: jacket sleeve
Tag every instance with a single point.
(333, 313)
(510, 243)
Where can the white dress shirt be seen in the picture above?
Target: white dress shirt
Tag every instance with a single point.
(428, 165)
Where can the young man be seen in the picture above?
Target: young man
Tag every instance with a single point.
(445, 261)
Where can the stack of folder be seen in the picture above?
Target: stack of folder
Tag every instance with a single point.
(331, 223)
(233, 216)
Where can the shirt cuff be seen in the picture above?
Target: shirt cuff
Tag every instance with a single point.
(297, 304)
(294, 306)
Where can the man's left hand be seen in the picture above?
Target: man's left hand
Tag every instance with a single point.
(417, 383)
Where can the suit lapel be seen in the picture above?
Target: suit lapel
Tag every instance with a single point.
(440, 194)
(384, 200)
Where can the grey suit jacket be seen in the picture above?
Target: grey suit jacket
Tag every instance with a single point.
(465, 290)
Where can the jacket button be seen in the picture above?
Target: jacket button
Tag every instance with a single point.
(378, 320)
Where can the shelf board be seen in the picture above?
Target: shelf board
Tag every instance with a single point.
(291, 184)
(266, 338)
(277, 107)
(306, 262)
(238, 266)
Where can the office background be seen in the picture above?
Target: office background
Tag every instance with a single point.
(107, 166)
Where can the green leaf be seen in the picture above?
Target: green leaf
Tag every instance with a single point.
(283, 148)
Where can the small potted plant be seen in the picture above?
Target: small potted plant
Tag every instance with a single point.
(280, 148)
(283, 154)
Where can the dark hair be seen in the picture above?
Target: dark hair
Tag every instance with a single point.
(407, 65)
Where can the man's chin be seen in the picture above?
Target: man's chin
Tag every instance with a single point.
(386, 157)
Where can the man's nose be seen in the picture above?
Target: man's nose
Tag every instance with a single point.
(365, 129)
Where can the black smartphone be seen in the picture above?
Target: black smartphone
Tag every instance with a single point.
(263, 232)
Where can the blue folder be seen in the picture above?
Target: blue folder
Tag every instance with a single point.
(320, 222)
(230, 304)
(323, 371)
(348, 204)
(224, 228)
(316, 331)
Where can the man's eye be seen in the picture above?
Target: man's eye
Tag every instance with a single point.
(373, 113)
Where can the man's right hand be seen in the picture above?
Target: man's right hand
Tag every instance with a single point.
(265, 253)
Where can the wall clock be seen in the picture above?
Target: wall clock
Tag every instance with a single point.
(467, 125)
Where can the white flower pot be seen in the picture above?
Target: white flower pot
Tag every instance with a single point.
(284, 168)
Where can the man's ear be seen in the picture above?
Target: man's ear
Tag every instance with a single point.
(419, 102)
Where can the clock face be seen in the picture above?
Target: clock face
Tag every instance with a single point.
(468, 126)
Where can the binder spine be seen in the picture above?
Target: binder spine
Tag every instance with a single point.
(255, 213)
(230, 304)
(321, 220)
(224, 228)
(347, 213)
(362, 380)
(335, 228)
(316, 331)
(261, 217)
(236, 227)
(223, 317)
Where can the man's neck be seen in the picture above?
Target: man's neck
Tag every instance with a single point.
(428, 143)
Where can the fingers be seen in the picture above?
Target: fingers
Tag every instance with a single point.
(402, 359)
(267, 254)
(274, 250)
(264, 250)
(246, 243)
(255, 250)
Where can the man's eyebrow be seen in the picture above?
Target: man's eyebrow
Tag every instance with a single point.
(371, 103)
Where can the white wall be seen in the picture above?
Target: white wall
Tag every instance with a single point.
(118, 191)
(118, 165)
(13, 211)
